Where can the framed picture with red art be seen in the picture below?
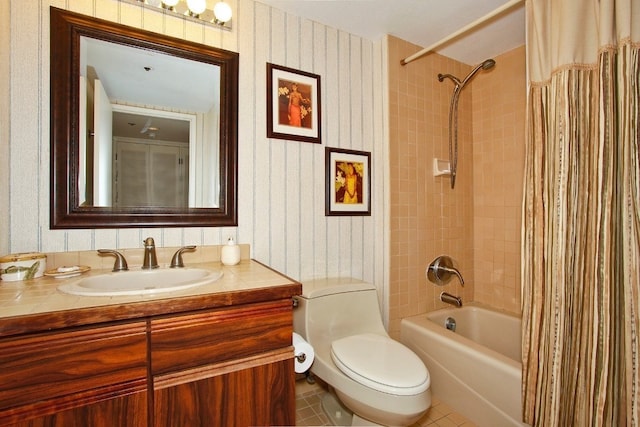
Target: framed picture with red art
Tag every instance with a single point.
(348, 182)
(293, 104)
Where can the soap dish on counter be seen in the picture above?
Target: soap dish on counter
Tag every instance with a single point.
(65, 272)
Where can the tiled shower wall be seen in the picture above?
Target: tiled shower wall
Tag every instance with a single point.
(427, 217)
(498, 109)
(477, 223)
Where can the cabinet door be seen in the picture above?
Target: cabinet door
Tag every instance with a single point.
(56, 377)
(260, 395)
(131, 175)
(166, 177)
(151, 174)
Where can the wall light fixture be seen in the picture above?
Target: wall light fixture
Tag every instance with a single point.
(193, 10)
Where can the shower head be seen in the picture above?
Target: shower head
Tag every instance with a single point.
(486, 65)
(489, 63)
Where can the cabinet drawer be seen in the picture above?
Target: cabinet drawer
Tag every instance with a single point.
(179, 343)
(56, 364)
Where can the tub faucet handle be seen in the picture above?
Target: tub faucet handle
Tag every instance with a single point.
(441, 269)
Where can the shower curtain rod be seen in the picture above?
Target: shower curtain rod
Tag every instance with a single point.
(462, 30)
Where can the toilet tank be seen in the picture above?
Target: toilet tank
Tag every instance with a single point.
(337, 307)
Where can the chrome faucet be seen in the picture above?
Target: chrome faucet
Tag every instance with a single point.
(150, 260)
(451, 299)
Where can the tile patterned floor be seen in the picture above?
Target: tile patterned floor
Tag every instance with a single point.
(309, 411)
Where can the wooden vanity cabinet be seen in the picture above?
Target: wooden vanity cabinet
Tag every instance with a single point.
(226, 366)
(230, 367)
(80, 377)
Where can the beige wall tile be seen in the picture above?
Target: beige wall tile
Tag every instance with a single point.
(499, 104)
(478, 222)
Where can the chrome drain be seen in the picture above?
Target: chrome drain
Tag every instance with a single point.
(450, 324)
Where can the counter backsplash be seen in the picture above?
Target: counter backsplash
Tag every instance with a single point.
(135, 257)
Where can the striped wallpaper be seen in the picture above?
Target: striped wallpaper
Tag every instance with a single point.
(281, 183)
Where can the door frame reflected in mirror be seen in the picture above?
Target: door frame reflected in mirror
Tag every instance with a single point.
(163, 162)
(66, 210)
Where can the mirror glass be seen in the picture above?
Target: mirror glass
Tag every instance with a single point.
(146, 125)
(144, 128)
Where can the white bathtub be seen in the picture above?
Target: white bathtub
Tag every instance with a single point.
(475, 370)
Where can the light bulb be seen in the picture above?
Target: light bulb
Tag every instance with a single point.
(222, 11)
(170, 3)
(197, 6)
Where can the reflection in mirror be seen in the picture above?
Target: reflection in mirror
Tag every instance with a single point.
(143, 125)
(143, 128)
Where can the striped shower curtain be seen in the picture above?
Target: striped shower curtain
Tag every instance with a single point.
(581, 216)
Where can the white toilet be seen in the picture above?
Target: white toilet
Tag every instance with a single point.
(380, 380)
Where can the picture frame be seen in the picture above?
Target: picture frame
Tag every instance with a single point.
(292, 117)
(348, 182)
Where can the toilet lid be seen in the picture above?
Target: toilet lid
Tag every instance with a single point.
(380, 363)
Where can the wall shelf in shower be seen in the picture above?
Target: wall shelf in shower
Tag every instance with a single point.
(441, 167)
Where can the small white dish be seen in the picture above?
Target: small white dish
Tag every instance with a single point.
(66, 272)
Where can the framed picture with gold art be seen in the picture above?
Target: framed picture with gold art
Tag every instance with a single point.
(348, 182)
(293, 104)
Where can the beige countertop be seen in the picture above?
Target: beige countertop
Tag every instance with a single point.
(37, 304)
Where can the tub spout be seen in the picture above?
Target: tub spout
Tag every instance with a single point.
(450, 299)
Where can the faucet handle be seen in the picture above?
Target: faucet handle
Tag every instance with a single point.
(441, 269)
(120, 263)
(176, 261)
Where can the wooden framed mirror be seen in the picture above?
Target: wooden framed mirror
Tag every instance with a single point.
(143, 189)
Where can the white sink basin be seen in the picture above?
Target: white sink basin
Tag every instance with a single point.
(140, 282)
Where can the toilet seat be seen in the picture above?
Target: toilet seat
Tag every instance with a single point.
(380, 363)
